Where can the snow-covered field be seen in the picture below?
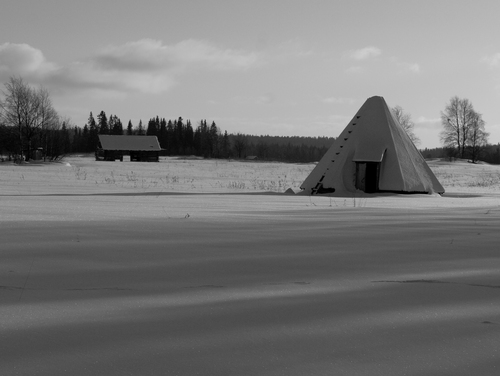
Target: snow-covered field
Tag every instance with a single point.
(204, 267)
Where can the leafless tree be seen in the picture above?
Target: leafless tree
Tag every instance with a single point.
(478, 138)
(26, 110)
(457, 119)
(240, 144)
(406, 122)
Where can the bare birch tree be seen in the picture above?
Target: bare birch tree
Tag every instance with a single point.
(407, 123)
(478, 138)
(26, 110)
(457, 119)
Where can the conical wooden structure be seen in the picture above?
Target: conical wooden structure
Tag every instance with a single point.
(372, 154)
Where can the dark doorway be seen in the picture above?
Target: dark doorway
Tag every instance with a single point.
(367, 174)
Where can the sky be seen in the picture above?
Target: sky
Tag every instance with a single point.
(274, 67)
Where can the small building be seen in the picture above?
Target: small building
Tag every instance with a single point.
(37, 154)
(373, 154)
(140, 148)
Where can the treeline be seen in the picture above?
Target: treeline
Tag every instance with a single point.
(288, 149)
(488, 153)
(176, 137)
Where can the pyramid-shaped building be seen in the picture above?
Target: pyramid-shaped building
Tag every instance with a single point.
(372, 154)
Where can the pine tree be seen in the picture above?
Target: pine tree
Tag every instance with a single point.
(84, 139)
(65, 140)
(170, 138)
(179, 130)
(76, 140)
(188, 138)
(214, 140)
(115, 125)
(225, 147)
(201, 141)
(102, 123)
(93, 138)
(140, 129)
(152, 129)
(130, 128)
(162, 136)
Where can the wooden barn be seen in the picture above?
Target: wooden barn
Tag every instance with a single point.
(140, 148)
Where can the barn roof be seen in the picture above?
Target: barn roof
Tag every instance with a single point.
(134, 143)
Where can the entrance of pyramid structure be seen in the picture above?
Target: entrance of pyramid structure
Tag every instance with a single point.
(367, 176)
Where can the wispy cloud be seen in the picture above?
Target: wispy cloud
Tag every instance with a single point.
(404, 67)
(492, 60)
(371, 57)
(364, 53)
(150, 54)
(337, 100)
(415, 68)
(359, 56)
(146, 65)
(425, 122)
(267, 98)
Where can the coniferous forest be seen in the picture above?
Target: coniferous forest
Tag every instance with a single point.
(179, 137)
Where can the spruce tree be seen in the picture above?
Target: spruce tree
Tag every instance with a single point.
(130, 128)
(162, 135)
(179, 130)
(115, 125)
(214, 140)
(93, 138)
(170, 138)
(152, 129)
(102, 123)
(188, 138)
(84, 141)
(225, 147)
(65, 140)
(140, 129)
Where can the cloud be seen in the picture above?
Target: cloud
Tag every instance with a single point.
(22, 59)
(404, 67)
(415, 68)
(493, 60)
(429, 123)
(153, 55)
(267, 98)
(146, 65)
(364, 53)
(150, 66)
(370, 58)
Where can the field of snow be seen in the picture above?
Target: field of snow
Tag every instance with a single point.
(204, 267)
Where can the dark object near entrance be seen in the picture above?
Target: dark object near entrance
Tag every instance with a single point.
(367, 174)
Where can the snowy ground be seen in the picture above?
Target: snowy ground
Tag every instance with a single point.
(194, 267)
